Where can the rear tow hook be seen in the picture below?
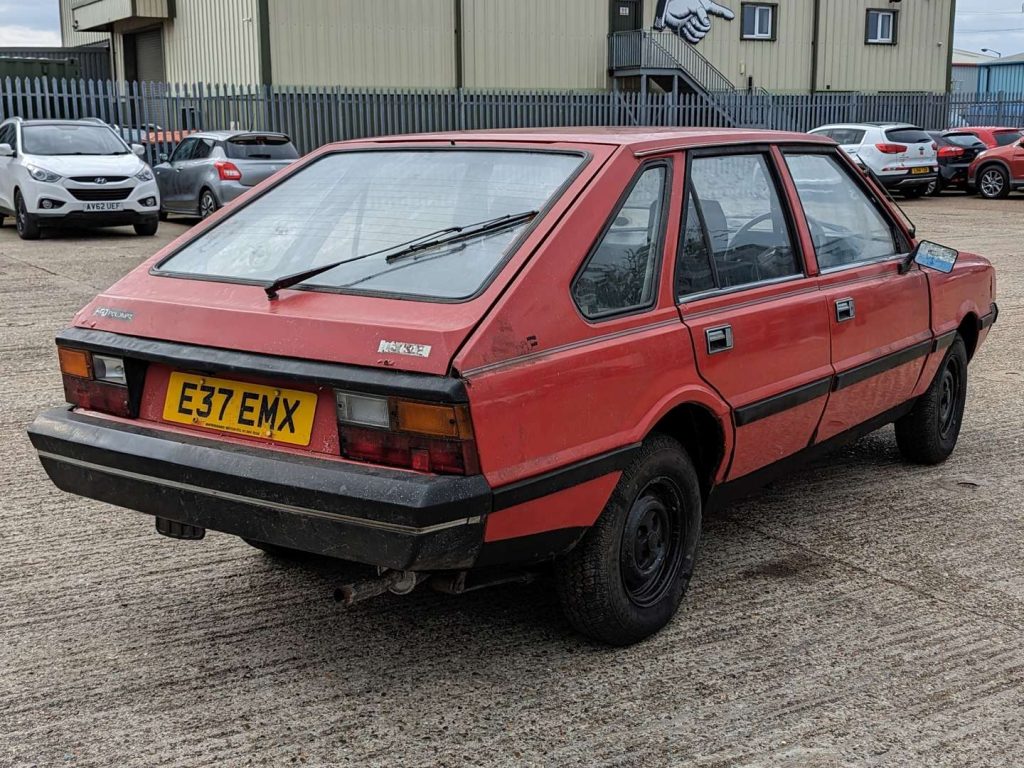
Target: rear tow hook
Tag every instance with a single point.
(395, 582)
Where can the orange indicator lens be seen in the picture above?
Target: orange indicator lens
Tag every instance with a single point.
(74, 362)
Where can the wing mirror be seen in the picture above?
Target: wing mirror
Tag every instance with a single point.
(138, 149)
(6, 150)
(933, 256)
(163, 157)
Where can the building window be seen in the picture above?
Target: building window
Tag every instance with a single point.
(758, 21)
(881, 28)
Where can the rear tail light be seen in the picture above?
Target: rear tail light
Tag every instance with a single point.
(227, 171)
(425, 437)
(952, 152)
(891, 149)
(95, 382)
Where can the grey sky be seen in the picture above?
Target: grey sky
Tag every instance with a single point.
(996, 24)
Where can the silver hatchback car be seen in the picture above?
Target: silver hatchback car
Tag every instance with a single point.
(208, 170)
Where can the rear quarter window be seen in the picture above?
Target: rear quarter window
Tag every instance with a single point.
(908, 136)
(1006, 138)
(964, 140)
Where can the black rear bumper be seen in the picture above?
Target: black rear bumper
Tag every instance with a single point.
(369, 515)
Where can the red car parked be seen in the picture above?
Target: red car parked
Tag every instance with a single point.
(446, 355)
(996, 172)
(993, 136)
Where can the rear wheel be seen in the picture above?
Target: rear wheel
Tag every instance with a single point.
(993, 182)
(147, 228)
(26, 223)
(207, 204)
(626, 578)
(935, 188)
(928, 434)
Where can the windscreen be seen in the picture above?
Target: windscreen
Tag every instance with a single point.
(350, 204)
(261, 148)
(71, 140)
(908, 136)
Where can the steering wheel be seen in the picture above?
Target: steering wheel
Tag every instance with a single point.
(763, 259)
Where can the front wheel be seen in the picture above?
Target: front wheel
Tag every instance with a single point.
(26, 224)
(928, 434)
(993, 183)
(147, 228)
(626, 578)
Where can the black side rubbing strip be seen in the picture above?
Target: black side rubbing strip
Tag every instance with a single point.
(945, 341)
(558, 480)
(779, 403)
(990, 319)
(421, 386)
(881, 365)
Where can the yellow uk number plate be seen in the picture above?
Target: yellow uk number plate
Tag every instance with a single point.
(281, 415)
(919, 171)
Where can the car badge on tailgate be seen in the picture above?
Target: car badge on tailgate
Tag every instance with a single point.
(404, 348)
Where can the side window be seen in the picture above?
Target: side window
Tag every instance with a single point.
(184, 151)
(202, 150)
(846, 226)
(847, 136)
(621, 273)
(734, 200)
(694, 273)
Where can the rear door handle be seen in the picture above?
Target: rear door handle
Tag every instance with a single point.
(719, 339)
(845, 310)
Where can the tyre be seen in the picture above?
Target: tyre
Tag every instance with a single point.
(27, 224)
(147, 228)
(162, 216)
(928, 434)
(912, 193)
(207, 204)
(626, 578)
(1, 220)
(935, 188)
(993, 183)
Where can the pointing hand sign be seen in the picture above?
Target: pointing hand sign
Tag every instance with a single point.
(691, 19)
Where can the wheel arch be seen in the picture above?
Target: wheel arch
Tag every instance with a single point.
(994, 161)
(704, 435)
(969, 330)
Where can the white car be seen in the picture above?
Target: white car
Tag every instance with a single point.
(903, 157)
(79, 173)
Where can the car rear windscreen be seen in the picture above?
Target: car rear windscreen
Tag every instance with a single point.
(261, 148)
(968, 140)
(365, 206)
(908, 136)
(1006, 138)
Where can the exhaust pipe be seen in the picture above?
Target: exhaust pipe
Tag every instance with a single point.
(395, 582)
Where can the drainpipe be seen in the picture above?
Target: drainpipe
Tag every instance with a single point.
(816, 36)
(949, 49)
(459, 65)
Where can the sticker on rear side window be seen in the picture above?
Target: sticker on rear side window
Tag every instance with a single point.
(404, 348)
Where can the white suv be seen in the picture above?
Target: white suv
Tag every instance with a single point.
(73, 173)
(902, 156)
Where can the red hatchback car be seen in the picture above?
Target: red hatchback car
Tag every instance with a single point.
(455, 355)
(996, 172)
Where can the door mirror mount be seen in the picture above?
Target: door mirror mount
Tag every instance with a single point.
(138, 149)
(6, 150)
(163, 157)
(932, 256)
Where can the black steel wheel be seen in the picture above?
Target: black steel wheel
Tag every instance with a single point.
(207, 204)
(26, 224)
(625, 579)
(993, 182)
(929, 433)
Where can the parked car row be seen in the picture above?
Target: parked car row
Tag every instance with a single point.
(85, 173)
(904, 158)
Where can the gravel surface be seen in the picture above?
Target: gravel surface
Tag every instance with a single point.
(860, 613)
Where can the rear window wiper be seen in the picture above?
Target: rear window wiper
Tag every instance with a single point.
(416, 245)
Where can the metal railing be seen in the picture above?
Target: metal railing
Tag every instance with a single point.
(664, 51)
(159, 114)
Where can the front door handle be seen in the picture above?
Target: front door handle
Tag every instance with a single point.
(845, 310)
(719, 339)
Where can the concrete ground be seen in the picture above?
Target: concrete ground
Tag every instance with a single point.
(861, 613)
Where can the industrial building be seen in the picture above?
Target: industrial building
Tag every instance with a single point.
(796, 46)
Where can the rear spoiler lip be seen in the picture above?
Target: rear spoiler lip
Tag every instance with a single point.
(418, 386)
(259, 134)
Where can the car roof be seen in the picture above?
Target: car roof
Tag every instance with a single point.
(227, 135)
(992, 128)
(867, 125)
(639, 140)
(55, 121)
